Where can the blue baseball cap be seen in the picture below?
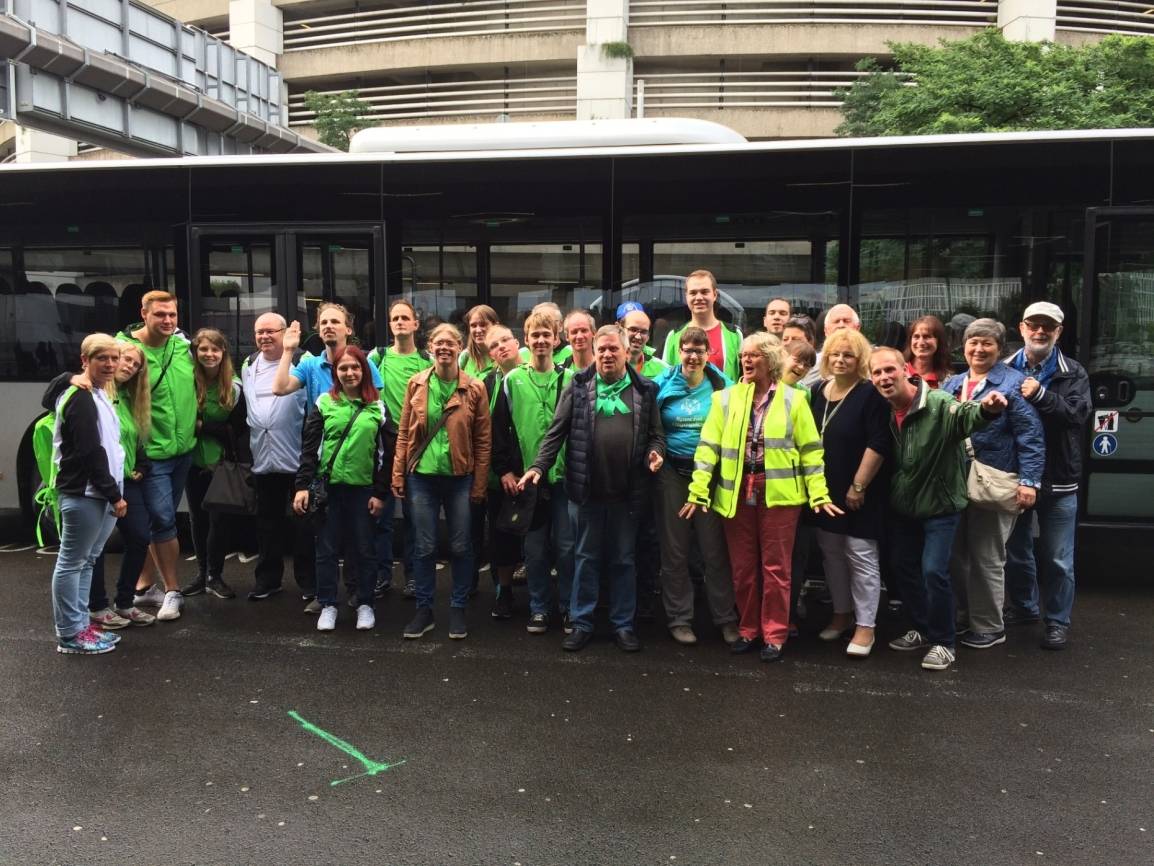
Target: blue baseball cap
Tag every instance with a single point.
(627, 307)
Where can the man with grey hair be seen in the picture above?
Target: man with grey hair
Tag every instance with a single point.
(275, 424)
(841, 316)
(607, 418)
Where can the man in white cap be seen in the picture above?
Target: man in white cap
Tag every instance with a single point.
(1040, 577)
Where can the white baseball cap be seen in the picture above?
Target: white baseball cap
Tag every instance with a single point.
(1044, 308)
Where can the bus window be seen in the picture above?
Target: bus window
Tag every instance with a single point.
(524, 275)
(238, 284)
(441, 281)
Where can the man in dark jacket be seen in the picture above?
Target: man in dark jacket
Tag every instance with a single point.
(1059, 389)
(608, 415)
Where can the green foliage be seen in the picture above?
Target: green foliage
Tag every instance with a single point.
(338, 116)
(621, 50)
(988, 84)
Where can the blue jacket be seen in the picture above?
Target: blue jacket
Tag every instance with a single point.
(1015, 440)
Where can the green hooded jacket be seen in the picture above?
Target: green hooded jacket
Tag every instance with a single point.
(170, 372)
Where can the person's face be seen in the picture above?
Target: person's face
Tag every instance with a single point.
(841, 316)
(445, 350)
(888, 374)
(923, 343)
(1040, 334)
(541, 342)
(130, 362)
(349, 373)
(333, 327)
(795, 369)
(699, 295)
(579, 333)
(754, 365)
(842, 361)
(502, 347)
(102, 366)
(693, 357)
(269, 333)
(402, 321)
(478, 328)
(637, 327)
(792, 335)
(776, 315)
(981, 353)
(208, 354)
(160, 318)
(610, 356)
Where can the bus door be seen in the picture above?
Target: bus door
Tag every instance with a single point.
(340, 264)
(1116, 344)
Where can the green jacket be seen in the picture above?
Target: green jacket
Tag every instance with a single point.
(365, 454)
(794, 458)
(652, 367)
(170, 372)
(930, 476)
(730, 349)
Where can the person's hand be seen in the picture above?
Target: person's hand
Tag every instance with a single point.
(853, 499)
(995, 402)
(1030, 387)
(292, 337)
(137, 475)
(655, 461)
(530, 477)
(829, 509)
(1026, 497)
(120, 508)
(81, 382)
(510, 484)
(690, 508)
(301, 501)
(376, 506)
(399, 491)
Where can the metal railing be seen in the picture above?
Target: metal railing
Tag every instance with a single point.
(474, 18)
(661, 13)
(1106, 16)
(741, 89)
(554, 95)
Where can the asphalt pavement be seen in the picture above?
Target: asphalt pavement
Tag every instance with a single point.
(240, 735)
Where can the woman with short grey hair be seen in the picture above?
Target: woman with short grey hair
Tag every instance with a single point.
(1013, 442)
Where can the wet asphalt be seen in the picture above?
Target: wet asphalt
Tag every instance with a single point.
(179, 748)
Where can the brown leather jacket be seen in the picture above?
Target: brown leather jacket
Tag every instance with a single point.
(467, 424)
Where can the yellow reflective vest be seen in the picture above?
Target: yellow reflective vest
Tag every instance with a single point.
(794, 459)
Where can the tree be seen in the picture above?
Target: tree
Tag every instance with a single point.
(987, 83)
(336, 116)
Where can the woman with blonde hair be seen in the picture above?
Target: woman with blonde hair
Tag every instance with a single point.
(853, 420)
(762, 438)
(221, 433)
(475, 360)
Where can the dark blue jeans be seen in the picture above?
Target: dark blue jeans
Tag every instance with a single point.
(135, 533)
(1040, 576)
(604, 533)
(348, 518)
(551, 545)
(920, 557)
(427, 495)
(386, 549)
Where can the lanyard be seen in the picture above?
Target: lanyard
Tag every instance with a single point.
(827, 415)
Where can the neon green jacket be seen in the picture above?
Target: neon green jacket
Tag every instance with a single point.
(170, 370)
(794, 458)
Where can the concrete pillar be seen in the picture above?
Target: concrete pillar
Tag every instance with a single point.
(32, 145)
(1027, 20)
(256, 27)
(604, 84)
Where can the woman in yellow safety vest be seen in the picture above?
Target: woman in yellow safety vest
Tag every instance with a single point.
(759, 461)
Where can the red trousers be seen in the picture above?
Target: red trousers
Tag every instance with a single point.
(760, 543)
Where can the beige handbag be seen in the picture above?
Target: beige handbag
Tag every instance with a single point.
(989, 488)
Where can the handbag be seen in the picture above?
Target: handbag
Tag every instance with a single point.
(517, 515)
(991, 489)
(231, 489)
(318, 488)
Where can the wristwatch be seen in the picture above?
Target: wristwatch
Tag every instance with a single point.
(858, 488)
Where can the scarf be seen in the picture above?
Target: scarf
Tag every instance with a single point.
(1046, 371)
(609, 400)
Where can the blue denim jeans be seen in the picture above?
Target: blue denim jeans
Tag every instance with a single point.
(604, 535)
(427, 495)
(550, 546)
(348, 518)
(163, 488)
(135, 533)
(920, 558)
(384, 542)
(1040, 576)
(86, 525)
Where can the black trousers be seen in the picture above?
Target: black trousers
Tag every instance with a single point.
(276, 531)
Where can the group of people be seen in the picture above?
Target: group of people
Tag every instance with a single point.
(593, 461)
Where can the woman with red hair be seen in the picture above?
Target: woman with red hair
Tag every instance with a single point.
(347, 442)
(928, 351)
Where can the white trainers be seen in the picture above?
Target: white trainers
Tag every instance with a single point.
(152, 597)
(327, 621)
(136, 616)
(939, 658)
(365, 618)
(108, 619)
(170, 609)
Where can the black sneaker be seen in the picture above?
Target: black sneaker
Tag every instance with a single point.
(1014, 616)
(1056, 636)
(503, 603)
(538, 623)
(422, 623)
(384, 584)
(566, 623)
(216, 586)
(196, 587)
(263, 592)
(410, 590)
(576, 640)
(458, 629)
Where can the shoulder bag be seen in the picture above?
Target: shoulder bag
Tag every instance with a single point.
(319, 486)
(988, 488)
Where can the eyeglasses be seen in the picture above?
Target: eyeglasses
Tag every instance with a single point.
(1047, 326)
(268, 332)
(638, 331)
(689, 350)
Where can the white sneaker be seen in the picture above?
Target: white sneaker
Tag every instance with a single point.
(170, 609)
(939, 658)
(365, 618)
(136, 616)
(327, 621)
(108, 619)
(153, 597)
